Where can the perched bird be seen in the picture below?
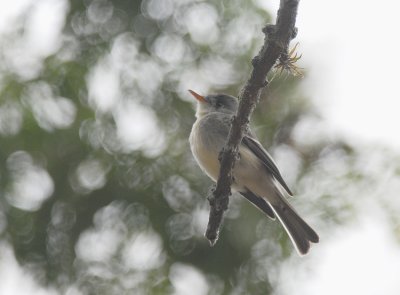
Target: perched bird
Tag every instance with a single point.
(256, 175)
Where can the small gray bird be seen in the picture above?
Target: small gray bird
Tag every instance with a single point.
(256, 175)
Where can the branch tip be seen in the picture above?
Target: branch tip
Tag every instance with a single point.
(212, 237)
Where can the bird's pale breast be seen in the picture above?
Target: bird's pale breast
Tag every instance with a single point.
(205, 154)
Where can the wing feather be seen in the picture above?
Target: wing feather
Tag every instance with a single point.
(260, 203)
(266, 159)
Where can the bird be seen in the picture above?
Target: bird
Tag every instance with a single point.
(255, 174)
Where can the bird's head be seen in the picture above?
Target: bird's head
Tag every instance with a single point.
(221, 103)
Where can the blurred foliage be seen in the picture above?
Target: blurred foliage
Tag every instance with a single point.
(99, 191)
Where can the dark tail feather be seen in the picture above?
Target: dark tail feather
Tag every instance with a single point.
(299, 231)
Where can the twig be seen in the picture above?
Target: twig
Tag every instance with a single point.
(276, 42)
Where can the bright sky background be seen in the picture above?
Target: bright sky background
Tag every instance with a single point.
(350, 50)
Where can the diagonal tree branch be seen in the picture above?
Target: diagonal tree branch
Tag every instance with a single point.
(277, 39)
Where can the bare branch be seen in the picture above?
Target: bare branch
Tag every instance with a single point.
(277, 39)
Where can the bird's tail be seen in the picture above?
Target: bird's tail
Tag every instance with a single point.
(299, 231)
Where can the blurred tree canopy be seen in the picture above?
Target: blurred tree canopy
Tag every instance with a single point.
(99, 192)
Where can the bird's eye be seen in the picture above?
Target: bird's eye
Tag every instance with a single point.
(218, 104)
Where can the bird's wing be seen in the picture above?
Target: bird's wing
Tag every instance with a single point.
(256, 147)
(260, 203)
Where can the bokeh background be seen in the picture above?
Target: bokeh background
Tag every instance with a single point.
(99, 193)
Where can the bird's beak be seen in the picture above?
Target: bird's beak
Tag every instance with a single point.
(197, 96)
